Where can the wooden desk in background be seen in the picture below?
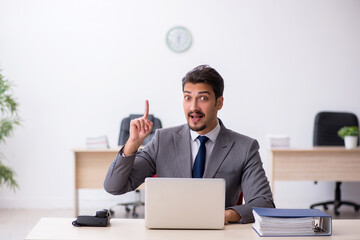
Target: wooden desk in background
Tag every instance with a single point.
(134, 229)
(315, 164)
(91, 166)
(312, 164)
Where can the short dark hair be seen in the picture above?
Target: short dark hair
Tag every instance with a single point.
(208, 75)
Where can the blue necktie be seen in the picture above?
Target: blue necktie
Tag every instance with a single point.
(199, 164)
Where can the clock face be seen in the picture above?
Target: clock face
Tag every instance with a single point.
(178, 39)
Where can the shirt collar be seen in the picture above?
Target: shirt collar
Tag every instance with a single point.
(212, 135)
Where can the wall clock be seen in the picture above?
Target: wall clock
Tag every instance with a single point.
(178, 39)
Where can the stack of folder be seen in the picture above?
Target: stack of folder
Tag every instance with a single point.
(278, 141)
(97, 142)
(291, 222)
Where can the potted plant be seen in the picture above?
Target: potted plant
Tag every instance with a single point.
(8, 119)
(350, 135)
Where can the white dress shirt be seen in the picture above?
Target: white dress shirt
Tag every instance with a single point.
(195, 143)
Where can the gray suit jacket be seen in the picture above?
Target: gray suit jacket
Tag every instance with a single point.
(235, 158)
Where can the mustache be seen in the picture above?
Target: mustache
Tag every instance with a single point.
(196, 112)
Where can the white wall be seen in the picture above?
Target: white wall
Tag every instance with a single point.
(81, 66)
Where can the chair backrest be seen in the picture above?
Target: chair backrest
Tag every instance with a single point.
(125, 127)
(327, 124)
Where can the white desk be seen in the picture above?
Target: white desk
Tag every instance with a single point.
(134, 229)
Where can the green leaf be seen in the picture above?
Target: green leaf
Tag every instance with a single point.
(348, 131)
(7, 177)
(8, 120)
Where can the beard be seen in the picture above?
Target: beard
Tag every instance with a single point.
(195, 127)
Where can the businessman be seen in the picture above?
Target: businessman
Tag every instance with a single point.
(203, 147)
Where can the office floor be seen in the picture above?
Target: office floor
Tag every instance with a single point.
(15, 224)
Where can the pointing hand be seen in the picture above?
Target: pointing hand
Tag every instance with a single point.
(140, 128)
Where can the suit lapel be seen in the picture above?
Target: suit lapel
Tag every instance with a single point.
(183, 151)
(222, 146)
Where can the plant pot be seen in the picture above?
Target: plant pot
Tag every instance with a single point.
(351, 142)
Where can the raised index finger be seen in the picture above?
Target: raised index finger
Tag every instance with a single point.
(146, 113)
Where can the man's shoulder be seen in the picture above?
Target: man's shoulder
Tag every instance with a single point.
(238, 137)
(241, 141)
(234, 135)
(174, 129)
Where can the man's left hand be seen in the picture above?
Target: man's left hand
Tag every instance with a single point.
(232, 216)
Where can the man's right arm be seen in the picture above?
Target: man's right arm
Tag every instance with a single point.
(116, 180)
(127, 173)
(121, 176)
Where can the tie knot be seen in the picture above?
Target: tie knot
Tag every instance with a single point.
(203, 139)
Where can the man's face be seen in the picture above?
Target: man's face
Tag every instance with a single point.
(201, 107)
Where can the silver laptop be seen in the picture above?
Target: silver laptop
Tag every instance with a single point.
(184, 203)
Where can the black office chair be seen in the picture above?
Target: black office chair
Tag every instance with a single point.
(326, 127)
(123, 137)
